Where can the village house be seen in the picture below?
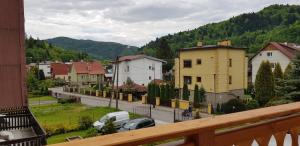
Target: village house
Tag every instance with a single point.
(221, 69)
(274, 52)
(86, 73)
(45, 66)
(141, 69)
(60, 71)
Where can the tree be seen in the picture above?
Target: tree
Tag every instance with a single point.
(165, 52)
(157, 90)
(202, 94)
(109, 128)
(162, 93)
(278, 74)
(172, 91)
(287, 71)
(264, 83)
(219, 108)
(293, 81)
(196, 96)
(168, 92)
(234, 105)
(185, 92)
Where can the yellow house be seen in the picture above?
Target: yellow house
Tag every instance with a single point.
(86, 73)
(221, 69)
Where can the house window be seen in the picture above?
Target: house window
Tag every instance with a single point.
(150, 68)
(199, 79)
(230, 62)
(269, 54)
(150, 78)
(230, 80)
(199, 61)
(187, 63)
(187, 80)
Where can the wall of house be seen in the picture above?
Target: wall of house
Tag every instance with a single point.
(214, 70)
(63, 77)
(277, 57)
(139, 71)
(46, 69)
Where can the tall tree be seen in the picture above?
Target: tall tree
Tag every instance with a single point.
(287, 71)
(202, 94)
(278, 74)
(264, 83)
(293, 80)
(196, 96)
(164, 52)
(185, 93)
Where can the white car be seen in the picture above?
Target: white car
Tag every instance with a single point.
(118, 119)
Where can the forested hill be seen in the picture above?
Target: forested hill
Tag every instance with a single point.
(252, 30)
(39, 50)
(98, 50)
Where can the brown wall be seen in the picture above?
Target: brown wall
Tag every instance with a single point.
(12, 66)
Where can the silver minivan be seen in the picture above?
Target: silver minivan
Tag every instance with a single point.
(118, 119)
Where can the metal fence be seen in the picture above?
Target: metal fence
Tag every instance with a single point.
(18, 119)
(143, 111)
(182, 115)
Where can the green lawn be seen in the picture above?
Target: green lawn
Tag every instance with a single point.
(42, 98)
(56, 116)
(62, 137)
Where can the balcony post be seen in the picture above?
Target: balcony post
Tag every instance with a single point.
(201, 139)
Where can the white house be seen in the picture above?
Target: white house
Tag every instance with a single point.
(141, 69)
(274, 52)
(46, 67)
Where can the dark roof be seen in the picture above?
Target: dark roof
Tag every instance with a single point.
(290, 50)
(211, 47)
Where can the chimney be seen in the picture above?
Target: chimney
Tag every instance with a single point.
(199, 44)
(224, 43)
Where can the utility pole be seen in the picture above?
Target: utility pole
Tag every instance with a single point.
(117, 96)
(113, 83)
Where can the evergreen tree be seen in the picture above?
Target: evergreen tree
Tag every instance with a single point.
(168, 90)
(218, 108)
(164, 51)
(162, 93)
(264, 83)
(150, 95)
(157, 90)
(202, 94)
(293, 81)
(287, 71)
(185, 92)
(278, 72)
(196, 96)
(172, 91)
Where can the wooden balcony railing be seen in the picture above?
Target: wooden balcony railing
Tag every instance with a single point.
(239, 129)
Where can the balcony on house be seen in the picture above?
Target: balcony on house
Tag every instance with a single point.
(239, 129)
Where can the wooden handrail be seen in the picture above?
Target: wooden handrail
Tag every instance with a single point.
(273, 120)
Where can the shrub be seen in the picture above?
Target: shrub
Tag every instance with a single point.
(66, 100)
(197, 116)
(85, 122)
(91, 133)
(196, 97)
(252, 104)
(186, 92)
(278, 101)
(234, 105)
(219, 109)
(109, 128)
(60, 129)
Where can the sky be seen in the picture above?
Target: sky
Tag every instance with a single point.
(131, 22)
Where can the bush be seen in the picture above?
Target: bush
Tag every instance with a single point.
(66, 100)
(252, 104)
(109, 128)
(186, 92)
(60, 129)
(278, 101)
(234, 105)
(91, 133)
(197, 116)
(85, 122)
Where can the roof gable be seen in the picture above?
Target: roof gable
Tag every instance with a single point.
(88, 68)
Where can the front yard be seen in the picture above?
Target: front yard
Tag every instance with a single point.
(62, 120)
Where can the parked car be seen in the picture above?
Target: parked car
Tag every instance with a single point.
(138, 124)
(118, 119)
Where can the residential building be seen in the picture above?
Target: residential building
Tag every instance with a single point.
(141, 69)
(86, 73)
(45, 66)
(274, 52)
(60, 71)
(221, 69)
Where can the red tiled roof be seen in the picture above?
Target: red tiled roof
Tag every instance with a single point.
(88, 68)
(60, 69)
(286, 48)
(157, 81)
(131, 57)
